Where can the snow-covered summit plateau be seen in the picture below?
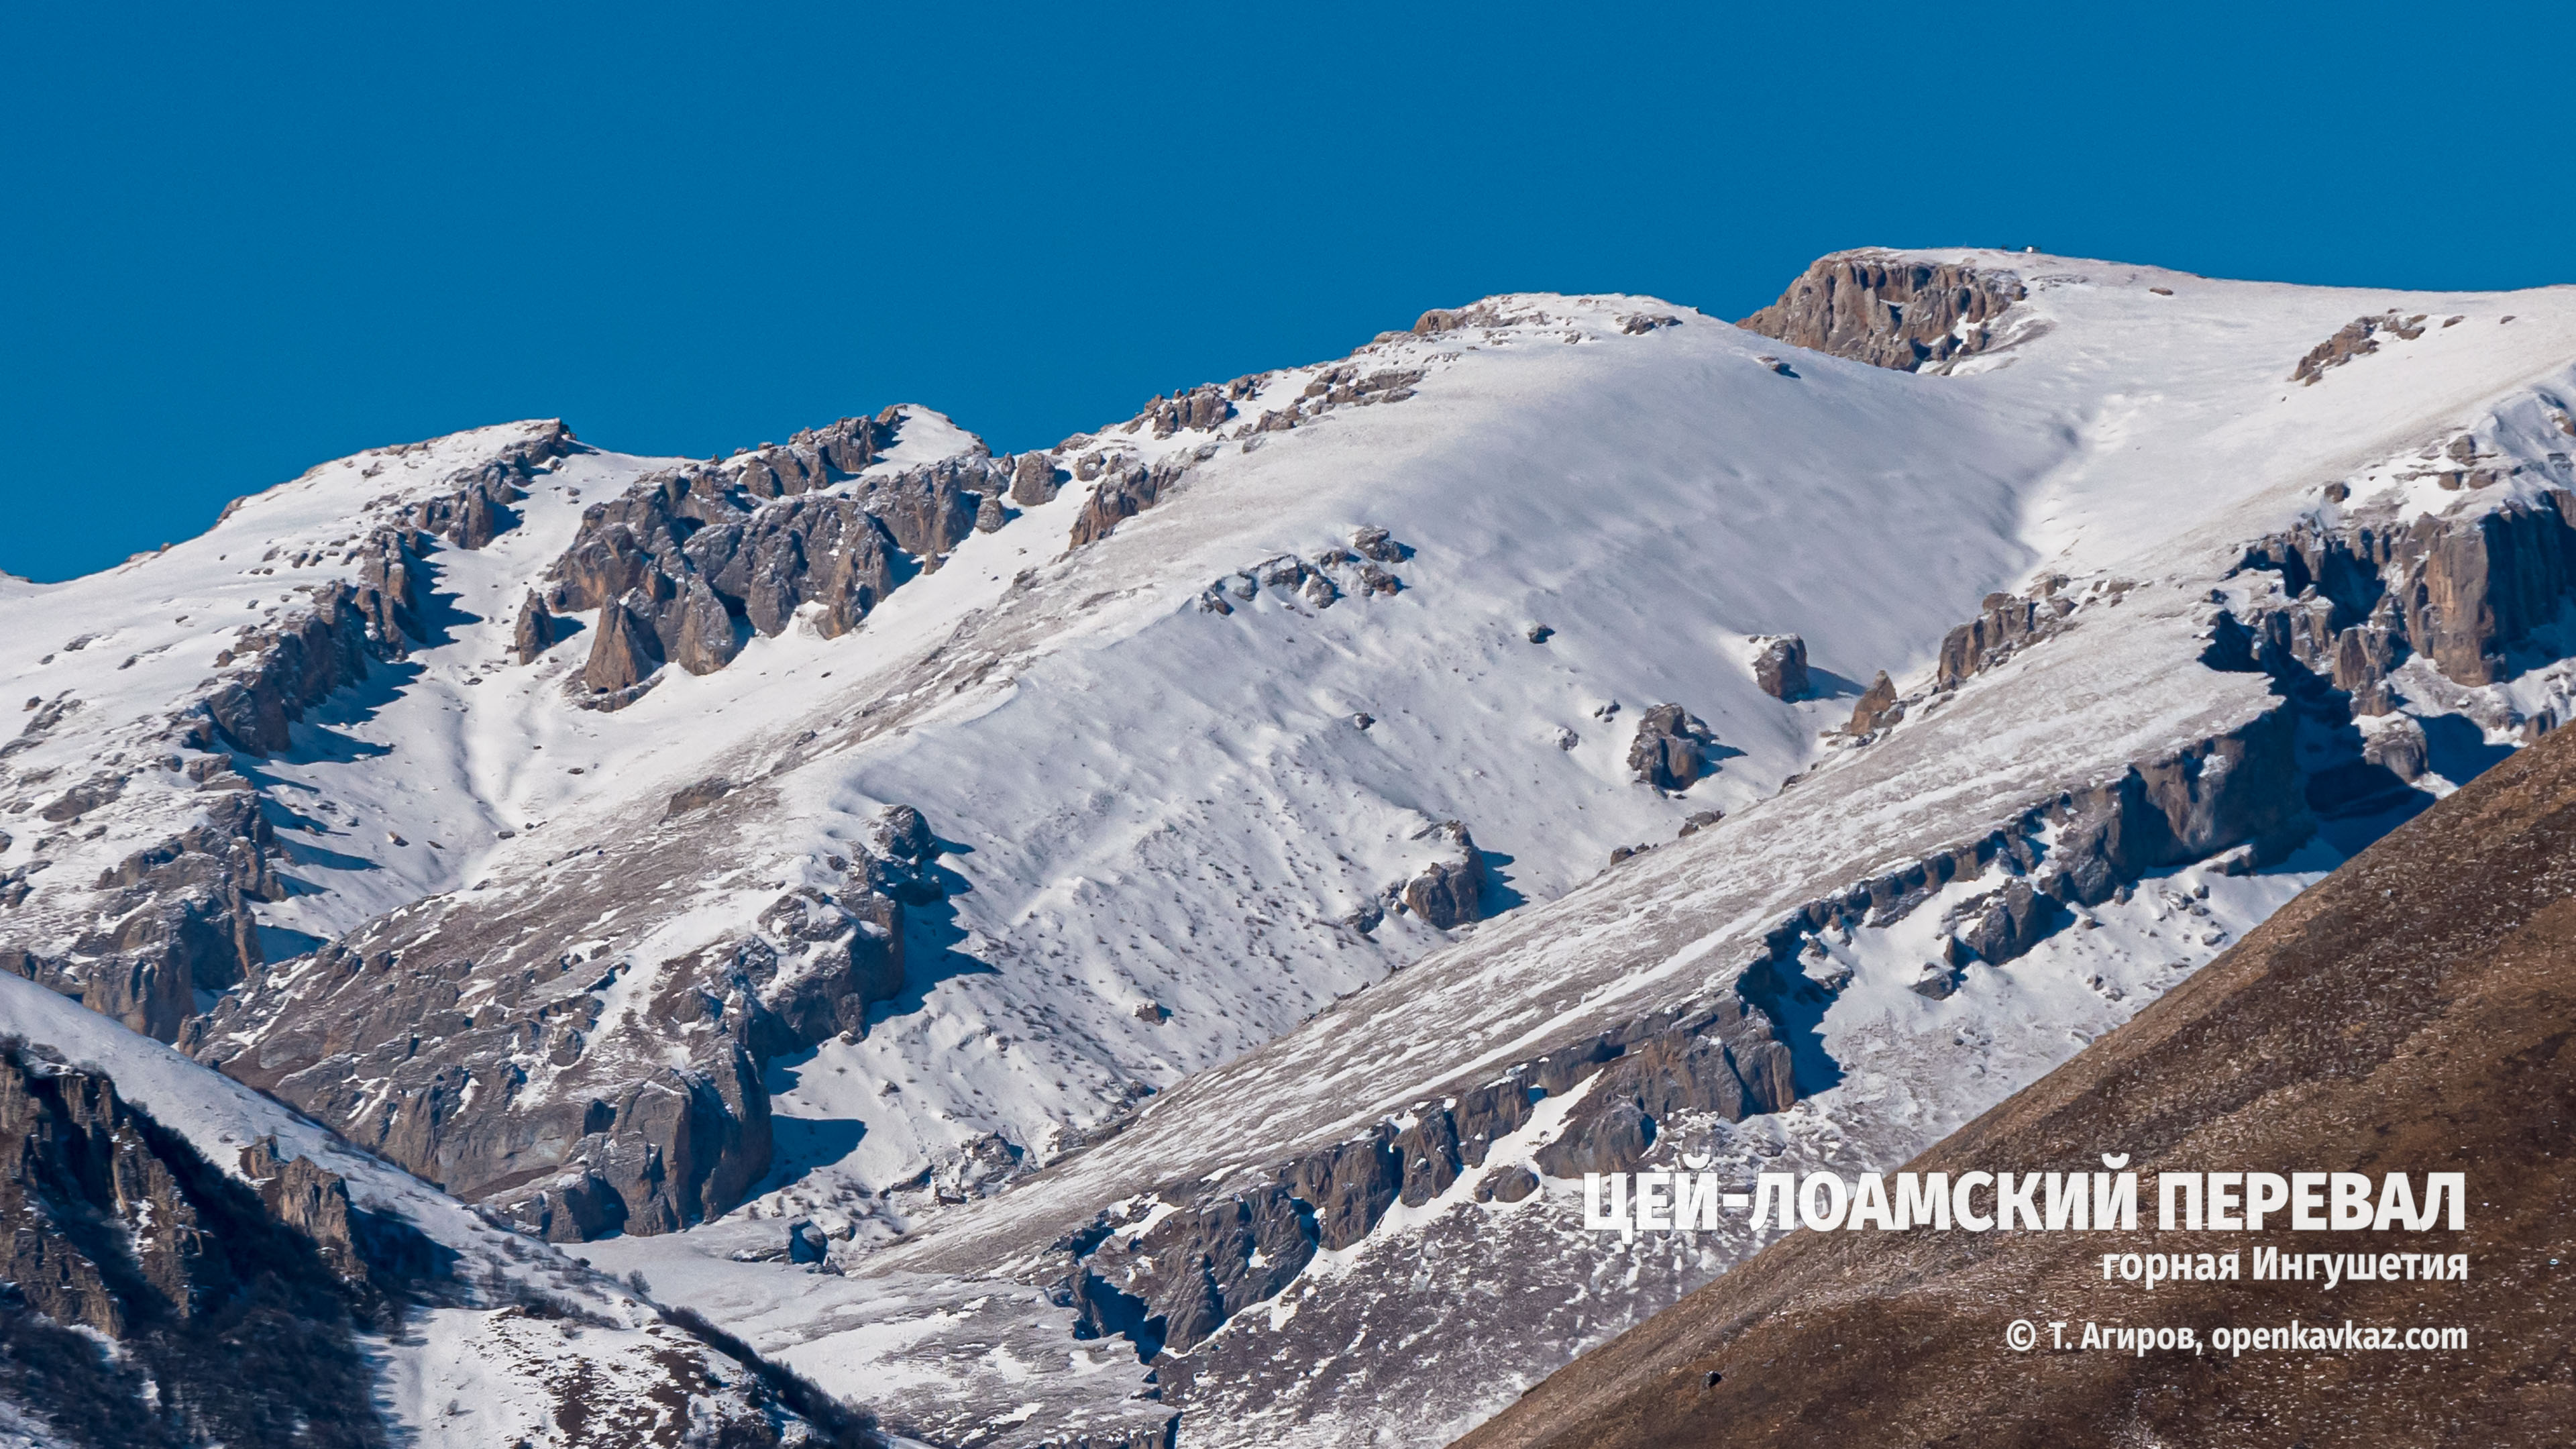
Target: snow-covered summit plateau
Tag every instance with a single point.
(1174, 915)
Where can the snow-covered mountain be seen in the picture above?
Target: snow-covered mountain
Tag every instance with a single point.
(1201, 892)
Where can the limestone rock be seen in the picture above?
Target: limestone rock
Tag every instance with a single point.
(1780, 665)
(536, 631)
(1673, 748)
(1035, 479)
(622, 652)
(1449, 893)
(703, 632)
(1877, 707)
(1875, 307)
(2398, 746)
(2358, 338)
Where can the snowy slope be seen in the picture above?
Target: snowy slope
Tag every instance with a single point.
(2187, 446)
(1165, 827)
(480, 1368)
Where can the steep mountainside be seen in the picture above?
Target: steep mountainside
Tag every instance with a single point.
(2406, 1015)
(1134, 920)
(194, 1264)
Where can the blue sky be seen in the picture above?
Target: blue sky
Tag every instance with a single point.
(241, 240)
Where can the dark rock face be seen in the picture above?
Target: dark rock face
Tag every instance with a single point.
(1035, 479)
(298, 662)
(1125, 490)
(2358, 337)
(1349, 1186)
(536, 630)
(2366, 595)
(527, 1095)
(1873, 307)
(2003, 925)
(2005, 625)
(1673, 748)
(234, 1314)
(1780, 666)
(1876, 708)
(2240, 787)
(175, 919)
(1198, 1267)
(623, 652)
(691, 550)
(1720, 1061)
(1449, 893)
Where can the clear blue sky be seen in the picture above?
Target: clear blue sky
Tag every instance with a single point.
(243, 239)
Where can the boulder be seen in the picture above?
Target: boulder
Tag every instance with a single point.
(1449, 893)
(536, 632)
(1035, 479)
(1877, 707)
(1673, 748)
(623, 652)
(1780, 665)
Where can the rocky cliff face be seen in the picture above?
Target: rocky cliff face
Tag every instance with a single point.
(2459, 942)
(2351, 600)
(1887, 311)
(531, 1093)
(232, 1311)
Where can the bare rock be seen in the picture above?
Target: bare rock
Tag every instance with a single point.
(1673, 749)
(1509, 1184)
(1449, 893)
(2357, 338)
(1035, 479)
(1780, 665)
(697, 797)
(2398, 746)
(1877, 707)
(536, 632)
(1875, 307)
(1377, 544)
(703, 633)
(622, 654)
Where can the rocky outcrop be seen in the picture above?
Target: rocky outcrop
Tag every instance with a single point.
(1674, 749)
(1035, 479)
(1321, 583)
(2355, 599)
(1169, 1287)
(171, 920)
(1876, 708)
(1198, 410)
(2358, 338)
(1448, 893)
(233, 1316)
(1882, 309)
(1125, 489)
(623, 651)
(1780, 665)
(814, 524)
(276, 671)
(535, 633)
(2004, 625)
(527, 1094)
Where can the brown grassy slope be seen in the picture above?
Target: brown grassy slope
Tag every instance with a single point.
(2410, 1013)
